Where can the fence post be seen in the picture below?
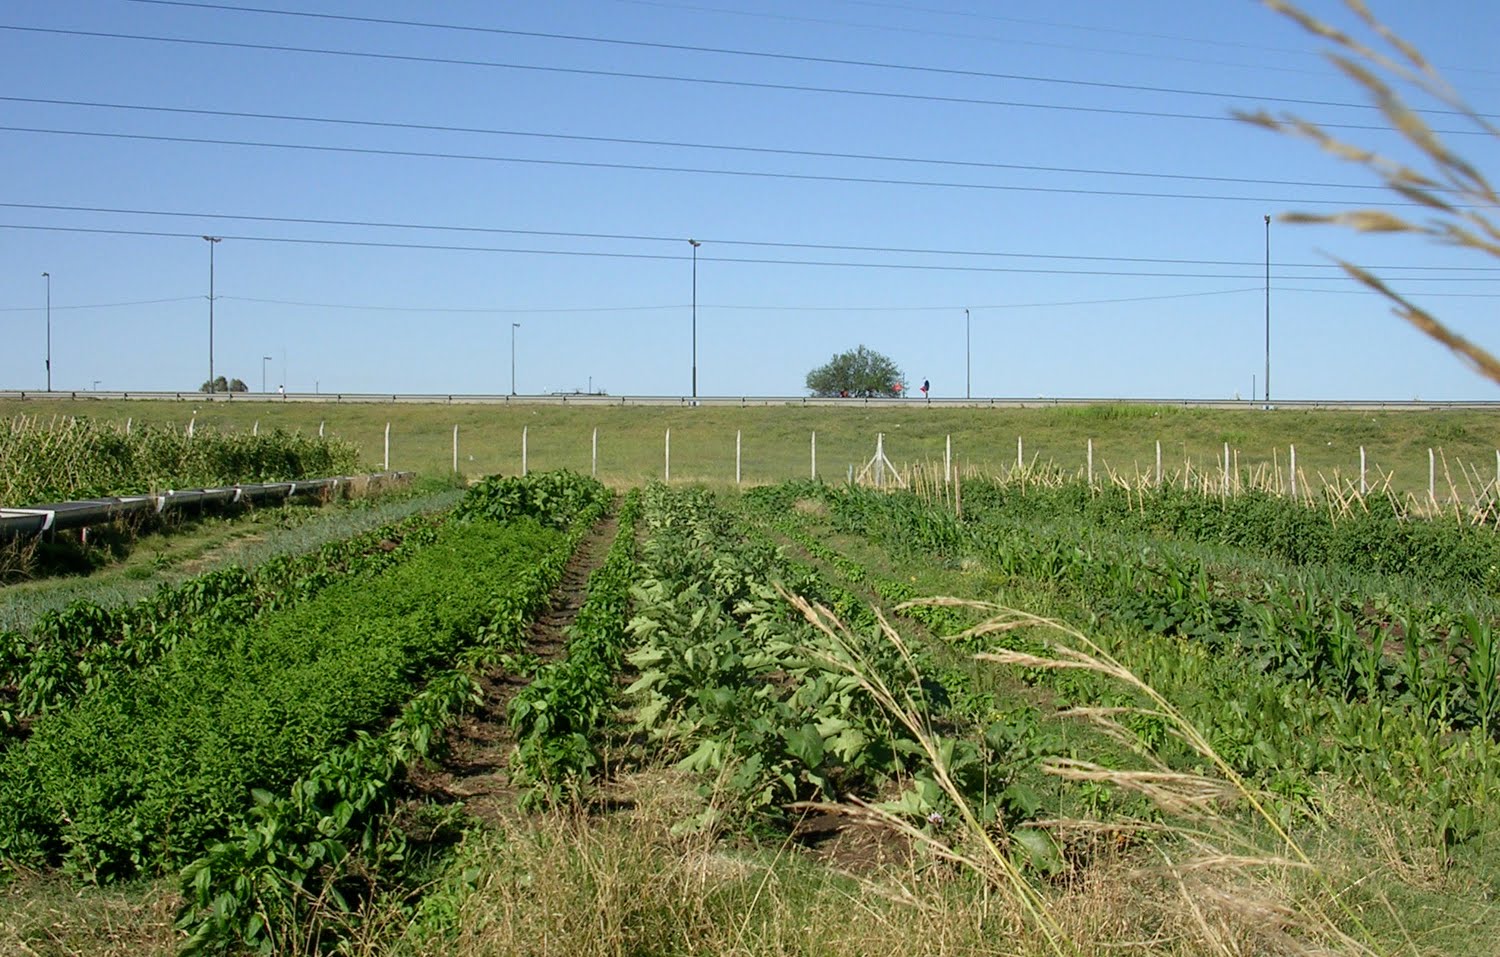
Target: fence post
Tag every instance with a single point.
(947, 459)
(1226, 468)
(815, 457)
(255, 429)
(880, 460)
(455, 448)
(1431, 477)
(1091, 463)
(668, 477)
(1362, 468)
(127, 432)
(736, 456)
(1020, 456)
(524, 436)
(1158, 463)
(1293, 469)
(594, 455)
(320, 428)
(386, 467)
(190, 425)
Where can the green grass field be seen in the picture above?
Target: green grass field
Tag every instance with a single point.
(775, 441)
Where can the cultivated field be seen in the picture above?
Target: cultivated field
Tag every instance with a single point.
(560, 719)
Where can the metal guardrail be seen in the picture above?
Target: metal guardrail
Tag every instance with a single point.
(36, 519)
(592, 399)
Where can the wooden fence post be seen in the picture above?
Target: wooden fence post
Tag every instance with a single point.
(386, 467)
(594, 454)
(736, 456)
(455, 449)
(1226, 468)
(668, 470)
(1158, 463)
(1091, 463)
(815, 456)
(321, 423)
(1293, 469)
(947, 459)
(1362, 468)
(1431, 477)
(524, 430)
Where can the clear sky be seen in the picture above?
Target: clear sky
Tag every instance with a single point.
(393, 196)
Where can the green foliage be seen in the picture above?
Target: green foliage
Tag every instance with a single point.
(555, 499)
(558, 715)
(859, 372)
(77, 651)
(79, 458)
(140, 775)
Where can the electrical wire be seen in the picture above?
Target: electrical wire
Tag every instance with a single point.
(657, 257)
(705, 171)
(678, 144)
(708, 81)
(713, 240)
(762, 54)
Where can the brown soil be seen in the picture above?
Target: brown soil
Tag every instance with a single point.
(475, 769)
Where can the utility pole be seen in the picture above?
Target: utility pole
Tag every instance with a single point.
(513, 327)
(968, 365)
(212, 242)
(263, 361)
(48, 276)
(1268, 311)
(695, 245)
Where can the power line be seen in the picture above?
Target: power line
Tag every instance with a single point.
(677, 144)
(105, 305)
(709, 81)
(657, 168)
(716, 240)
(659, 257)
(759, 54)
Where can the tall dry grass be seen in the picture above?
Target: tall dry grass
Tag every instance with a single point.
(1458, 197)
(1225, 875)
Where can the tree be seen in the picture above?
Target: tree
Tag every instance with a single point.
(221, 384)
(858, 372)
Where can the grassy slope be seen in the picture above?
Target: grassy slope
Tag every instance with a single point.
(775, 440)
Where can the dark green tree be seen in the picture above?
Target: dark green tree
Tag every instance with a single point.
(858, 372)
(219, 384)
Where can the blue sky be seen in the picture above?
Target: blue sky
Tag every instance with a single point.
(411, 210)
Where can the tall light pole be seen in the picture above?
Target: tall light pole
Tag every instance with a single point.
(968, 366)
(212, 242)
(48, 276)
(263, 361)
(1268, 311)
(695, 244)
(513, 327)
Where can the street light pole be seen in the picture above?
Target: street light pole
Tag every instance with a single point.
(968, 365)
(48, 276)
(513, 327)
(263, 361)
(212, 242)
(695, 244)
(1268, 311)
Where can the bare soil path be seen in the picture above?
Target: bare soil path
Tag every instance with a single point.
(475, 769)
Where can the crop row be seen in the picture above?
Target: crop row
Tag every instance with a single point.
(143, 774)
(76, 651)
(296, 869)
(558, 716)
(774, 710)
(1216, 652)
(76, 458)
(1342, 642)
